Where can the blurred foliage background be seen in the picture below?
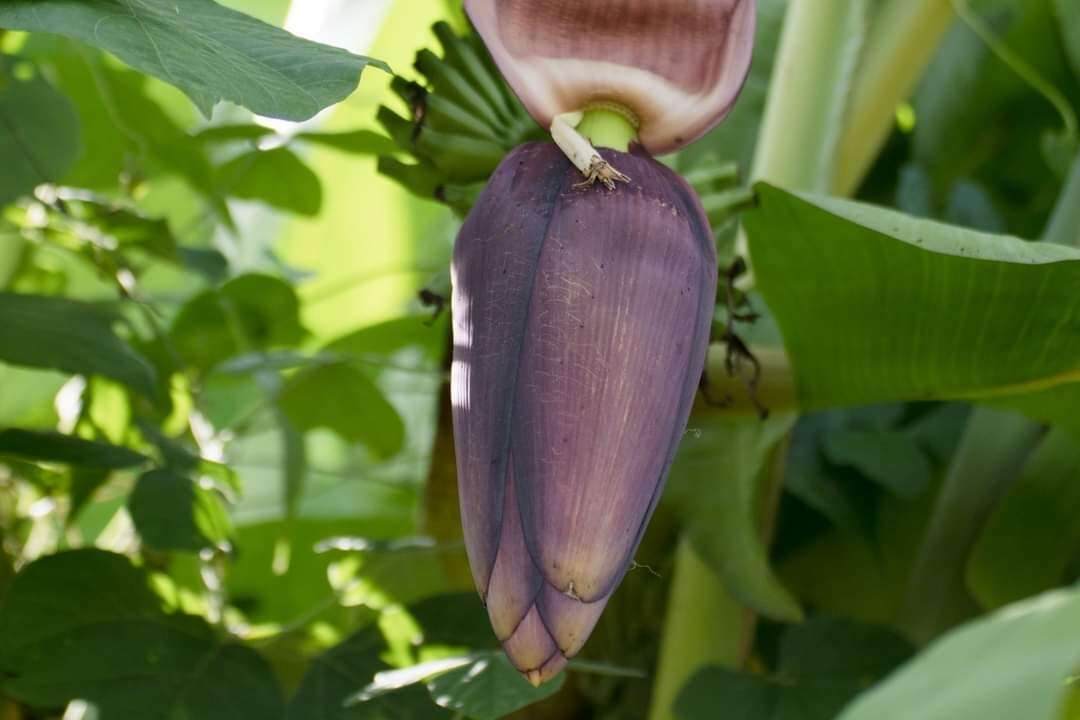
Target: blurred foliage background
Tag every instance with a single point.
(227, 482)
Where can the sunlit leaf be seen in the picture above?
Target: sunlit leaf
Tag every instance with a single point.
(68, 335)
(1012, 664)
(208, 51)
(39, 135)
(103, 637)
(877, 306)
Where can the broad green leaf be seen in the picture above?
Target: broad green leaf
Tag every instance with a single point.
(84, 624)
(1033, 535)
(276, 177)
(72, 336)
(208, 51)
(488, 688)
(341, 398)
(171, 512)
(39, 135)
(715, 484)
(824, 663)
(877, 306)
(1069, 17)
(249, 312)
(1011, 664)
(56, 447)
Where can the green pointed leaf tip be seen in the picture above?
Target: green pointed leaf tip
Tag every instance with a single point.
(103, 637)
(39, 135)
(897, 308)
(72, 336)
(209, 52)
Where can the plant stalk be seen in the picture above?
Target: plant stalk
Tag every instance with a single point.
(903, 39)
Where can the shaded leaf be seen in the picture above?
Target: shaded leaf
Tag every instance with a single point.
(341, 398)
(714, 482)
(276, 177)
(1012, 664)
(889, 458)
(1069, 17)
(39, 135)
(103, 637)
(208, 51)
(867, 324)
(68, 335)
(247, 313)
(824, 663)
(57, 447)
(488, 688)
(355, 142)
(1033, 535)
(171, 512)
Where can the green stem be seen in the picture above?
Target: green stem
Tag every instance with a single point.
(705, 625)
(903, 39)
(608, 128)
(992, 452)
(816, 61)
(808, 94)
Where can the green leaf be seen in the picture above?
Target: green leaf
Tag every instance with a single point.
(249, 312)
(824, 663)
(208, 51)
(39, 135)
(341, 398)
(276, 177)
(488, 688)
(1029, 541)
(59, 448)
(72, 336)
(1069, 17)
(339, 673)
(889, 458)
(171, 512)
(1012, 664)
(84, 625)
(715, 483)
(877, 306)
(354, 142)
